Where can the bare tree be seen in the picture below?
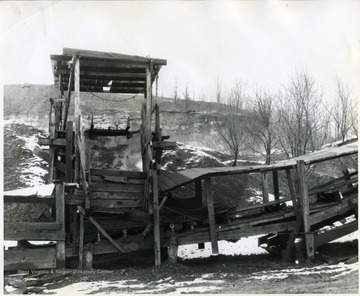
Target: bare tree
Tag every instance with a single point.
(231, 128)
(186, 97)
(344, 112)
(218, 90)
(176, 90)
(301, 124)
(263, 124)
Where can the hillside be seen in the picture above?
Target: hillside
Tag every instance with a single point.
(194, 126)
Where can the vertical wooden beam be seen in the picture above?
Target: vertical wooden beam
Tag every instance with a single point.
(304, 198)
(173, 246)
(276, 184)
(293, 194)
(198, 192)
(265, 187)
(77, 112)
(211, 216)
(88, 255)
(69, 153)
(67, 104)
(157, 245)
(74, 228)
(60, 217)
(52, 149)
(81, 242)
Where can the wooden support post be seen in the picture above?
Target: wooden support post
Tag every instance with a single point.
(52, 149)
(157, 245)
(77, 112)
(211, 215)
(60, 217)
(173, 246)
(81, 242)
(74, 229)
(88, 255)
(276, 184)
(293, 194)
(198, 193)
(69, 153)
(67, 105)
(304, 198)
(265, 187)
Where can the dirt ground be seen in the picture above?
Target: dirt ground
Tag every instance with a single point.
(335, 271)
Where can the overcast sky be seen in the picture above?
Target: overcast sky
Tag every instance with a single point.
(261, 42)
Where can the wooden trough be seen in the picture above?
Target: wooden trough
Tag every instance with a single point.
(107, 210)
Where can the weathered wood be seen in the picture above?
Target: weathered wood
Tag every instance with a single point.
(69, 153)
(128, 174)
(293, 194)
(77, 116)
(28, 259)
(211, 216)
(258, 206)
(71, 78)
(164, 145)
(265, 187)
(52, 142)
(60, 166)
(60, 218)
(117, 195)
(345, 206)
(51, 151)
(291, 241)
(276, 184)
(88, 255)
(30, 226)
(304, 198)
(330, 235)
(173, 248)
(124, 203)
(81, 241)
(157, 245)
(35, 236)
(198, 192)
(118, 179)
(101, 229)
(116, 187)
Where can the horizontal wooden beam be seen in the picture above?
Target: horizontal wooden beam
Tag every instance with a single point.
(118, 179)
(116, 187)
(52, 142)
(330, 235)
(30, 259)
(164, 145)
(30, 226)
(106, 195)
(106, 172)
(40, 236)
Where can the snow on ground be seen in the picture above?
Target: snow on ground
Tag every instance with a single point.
(337, 270)
(168, 285)
(245, 246)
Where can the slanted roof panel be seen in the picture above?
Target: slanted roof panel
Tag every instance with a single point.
(105, 72)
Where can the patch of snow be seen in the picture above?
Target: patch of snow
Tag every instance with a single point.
(245, 246)
(338, 270)
(40, 190)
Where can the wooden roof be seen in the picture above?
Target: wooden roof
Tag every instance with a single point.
(170, 181)
(126, 73)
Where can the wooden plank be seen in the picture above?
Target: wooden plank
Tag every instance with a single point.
(13, 227)
(164, 145)
(71, 78)
(258, 206)
(88, 254)
(69, 153)
(77, 116)
(35, 236)
(81, 241)
(29, 199)
(198, 192)
(276, 184)
(292, 191)
(101, 229)
(52, 142)
(124, 203)
(291, 241)
(211, 216)
(345, 206)
(118, 179)
(60, 166)
(265, 187)
(111, 56)
(116, 187)
(60, 218)
(330, 235)
(304, 198)
(332, 187)
(29, 259)
(106, 172)
(157, 246)
(117, 195)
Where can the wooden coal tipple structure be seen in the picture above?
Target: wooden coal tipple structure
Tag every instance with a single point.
(107, 210)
